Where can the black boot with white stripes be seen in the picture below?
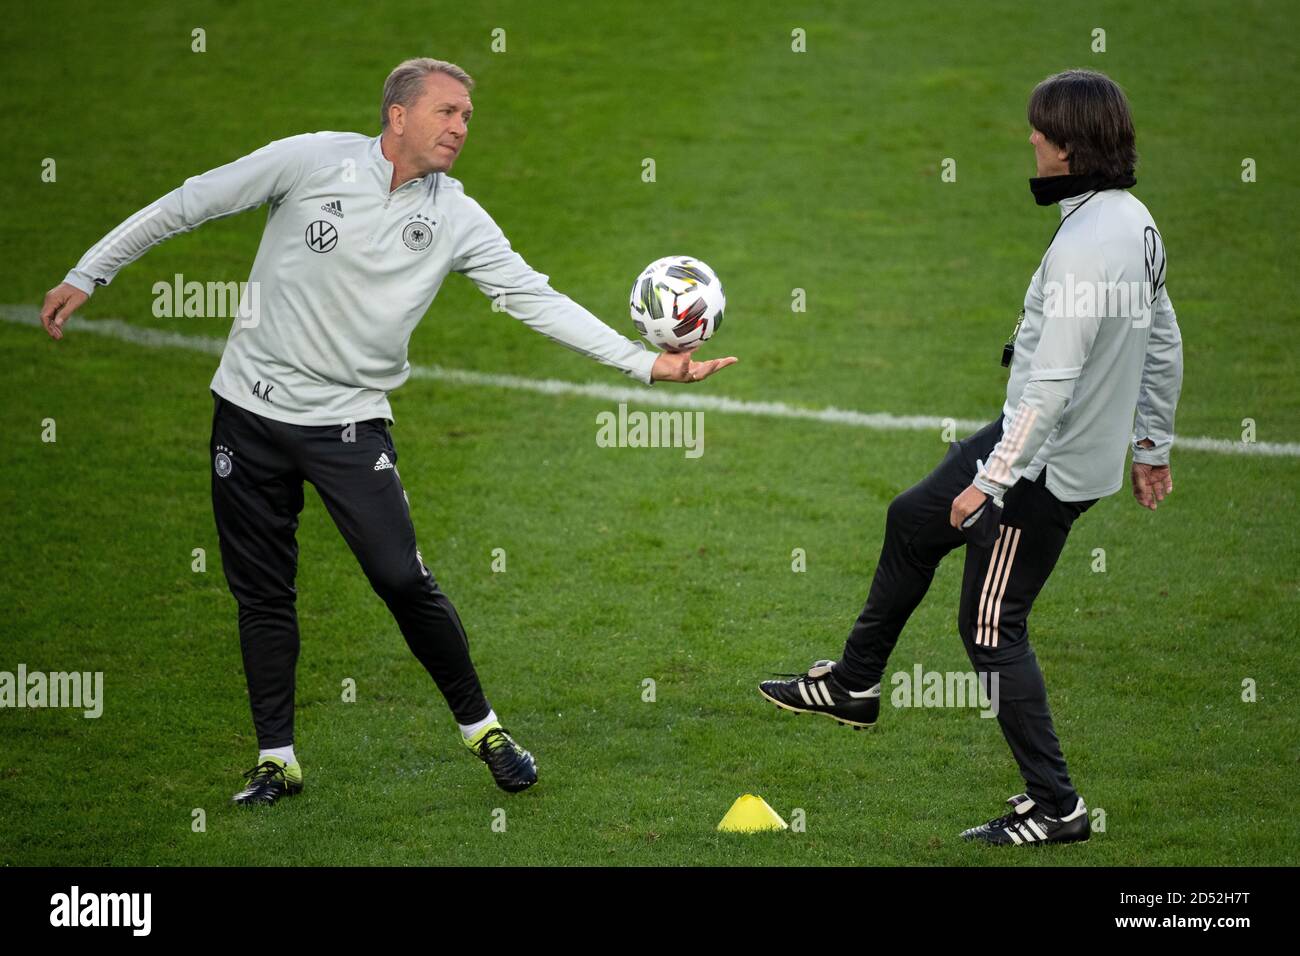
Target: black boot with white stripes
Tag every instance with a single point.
(1027, 823)
(818, 692)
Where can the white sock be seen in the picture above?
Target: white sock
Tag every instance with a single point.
(284, 753)
(469, 730)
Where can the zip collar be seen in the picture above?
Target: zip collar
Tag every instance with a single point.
(382, 170)
(1071, 203)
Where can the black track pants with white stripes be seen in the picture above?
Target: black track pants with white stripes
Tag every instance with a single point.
(259, 466)
(999, 586)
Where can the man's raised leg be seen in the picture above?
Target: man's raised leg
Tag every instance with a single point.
(917, 537)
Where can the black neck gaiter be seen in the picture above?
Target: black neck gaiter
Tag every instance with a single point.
(1051, 189)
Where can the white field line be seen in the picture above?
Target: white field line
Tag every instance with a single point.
(662, 396)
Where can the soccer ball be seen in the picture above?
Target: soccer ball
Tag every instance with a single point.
(677, 303)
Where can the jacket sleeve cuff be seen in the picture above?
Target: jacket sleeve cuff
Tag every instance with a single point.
(990, 488)
(642, 366)
(79, 280)
(1159, 455)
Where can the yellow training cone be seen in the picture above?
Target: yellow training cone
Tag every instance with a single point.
(750, 814)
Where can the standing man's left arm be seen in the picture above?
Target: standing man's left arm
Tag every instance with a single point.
(1153, 428)
(484, 255)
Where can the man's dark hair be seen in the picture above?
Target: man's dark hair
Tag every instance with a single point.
(1086, 114)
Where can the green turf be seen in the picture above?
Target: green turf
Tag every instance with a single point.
(816, 171)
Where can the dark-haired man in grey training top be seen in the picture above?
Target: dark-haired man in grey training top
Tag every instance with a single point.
(1097, 339)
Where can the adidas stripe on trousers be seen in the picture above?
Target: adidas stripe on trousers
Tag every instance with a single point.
(259, 466)
(999, 585)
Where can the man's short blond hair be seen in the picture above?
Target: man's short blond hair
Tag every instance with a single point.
(405, 84)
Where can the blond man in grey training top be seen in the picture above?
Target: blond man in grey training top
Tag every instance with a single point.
(361, 232)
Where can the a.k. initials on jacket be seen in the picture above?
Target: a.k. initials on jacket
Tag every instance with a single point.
(345, 271)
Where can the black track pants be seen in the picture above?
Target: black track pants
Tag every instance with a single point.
(999, 585)
(257, 493)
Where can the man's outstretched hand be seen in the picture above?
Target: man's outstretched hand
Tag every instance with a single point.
(60, 302)
(678, 367)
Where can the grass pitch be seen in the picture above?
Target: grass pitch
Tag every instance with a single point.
(816, 171)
